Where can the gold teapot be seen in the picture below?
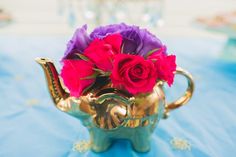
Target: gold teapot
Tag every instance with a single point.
(110, 114)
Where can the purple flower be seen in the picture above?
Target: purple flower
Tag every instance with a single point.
(132, 40)
(136, 41)
(78, 43)
(102, 31)
(149, 42)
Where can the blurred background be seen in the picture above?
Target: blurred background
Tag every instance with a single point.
(201, 33)
(48, 17)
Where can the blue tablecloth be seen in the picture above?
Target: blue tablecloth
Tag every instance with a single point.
(30, 126)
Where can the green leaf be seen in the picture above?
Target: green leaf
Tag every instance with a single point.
(151, 52)
(90, 77)
(83, 57)
(107, 74)
(100, 82)
(87, 88)
(98, 70)
(103, 73)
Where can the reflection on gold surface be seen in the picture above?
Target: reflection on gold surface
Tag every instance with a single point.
(111, 108)
(187, 95)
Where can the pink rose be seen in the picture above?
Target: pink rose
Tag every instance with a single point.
(158, 53)
(133, 73)
(102, 51)
(74, 73)
(165, 67)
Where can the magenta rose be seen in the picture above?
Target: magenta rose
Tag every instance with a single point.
(102, 51)
(76, 76)
(165, 66)
(133, 73)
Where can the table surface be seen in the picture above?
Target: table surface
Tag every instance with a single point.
(31, 126)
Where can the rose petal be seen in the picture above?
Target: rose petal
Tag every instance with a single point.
(79, 42)
(74, 73)
(125, 77)
(102, 51)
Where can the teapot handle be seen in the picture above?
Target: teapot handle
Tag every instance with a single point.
(187, 95)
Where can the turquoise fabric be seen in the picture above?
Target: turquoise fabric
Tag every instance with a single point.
(30, 126)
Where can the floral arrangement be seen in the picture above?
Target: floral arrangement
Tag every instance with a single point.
(127, 57)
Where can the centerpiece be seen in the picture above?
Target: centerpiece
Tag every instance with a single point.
(112, 80)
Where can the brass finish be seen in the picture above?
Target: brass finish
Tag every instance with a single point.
(111, 111)
(54, 84)
(60, 97)
(145, 106)
(111, 114)
(187, 95)
(111, 108)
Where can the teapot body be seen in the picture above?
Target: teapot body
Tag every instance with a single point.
(110, 114)
(139, 137)
(115, 115)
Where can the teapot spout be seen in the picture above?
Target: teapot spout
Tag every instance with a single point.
(57, 92)
(76, 107)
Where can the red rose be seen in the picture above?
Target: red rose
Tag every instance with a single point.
(158, 53)
(102, 51)
(133, 73)
(165, 67)
(74, 73)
